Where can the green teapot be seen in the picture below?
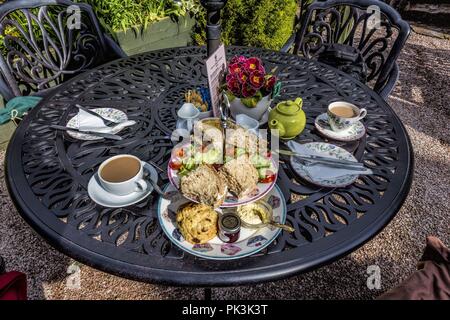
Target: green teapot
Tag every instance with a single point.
(289, 118)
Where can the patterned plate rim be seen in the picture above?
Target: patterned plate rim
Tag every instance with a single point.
(317, 183)
(243, 255)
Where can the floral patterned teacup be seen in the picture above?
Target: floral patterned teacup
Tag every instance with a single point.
(342, 115)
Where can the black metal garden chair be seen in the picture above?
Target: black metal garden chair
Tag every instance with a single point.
(46, 42)
(361, 37)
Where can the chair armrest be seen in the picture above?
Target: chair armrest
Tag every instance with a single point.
(289, 44)
(115, 47)
(386, 90)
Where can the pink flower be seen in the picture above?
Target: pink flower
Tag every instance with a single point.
(248, 91)
(257, 79)
(238, 59)
(252, 64)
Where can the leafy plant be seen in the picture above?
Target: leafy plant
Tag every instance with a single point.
(117, 15)
(260, 23)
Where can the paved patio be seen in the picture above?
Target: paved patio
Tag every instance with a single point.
(420, 99)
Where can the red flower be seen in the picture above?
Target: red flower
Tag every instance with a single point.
(270, 83)
(257, 79)
(234, 68)
(233, 85)
(243, 77)
(248, 91)
(252, 64)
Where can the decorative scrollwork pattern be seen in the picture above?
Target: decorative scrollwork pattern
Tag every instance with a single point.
(149, 88)
(371, 31)
(47, 48)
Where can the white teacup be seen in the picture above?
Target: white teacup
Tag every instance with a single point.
(122, 174)
(342, 115)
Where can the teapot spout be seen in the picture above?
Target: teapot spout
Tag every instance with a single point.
(277, 125)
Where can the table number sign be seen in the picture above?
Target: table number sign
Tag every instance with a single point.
(216, 66)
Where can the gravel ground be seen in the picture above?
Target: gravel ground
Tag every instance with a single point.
(419, 101)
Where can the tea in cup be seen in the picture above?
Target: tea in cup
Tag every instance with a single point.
(122, 175)
(342, 115)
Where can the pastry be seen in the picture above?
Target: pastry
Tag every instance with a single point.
(197, 223)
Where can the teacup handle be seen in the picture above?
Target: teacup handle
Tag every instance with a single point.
(362, 113)
(141, 185)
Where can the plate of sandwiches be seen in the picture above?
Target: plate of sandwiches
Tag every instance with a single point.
(205, 174)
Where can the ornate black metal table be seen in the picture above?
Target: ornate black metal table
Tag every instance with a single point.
(48, 172)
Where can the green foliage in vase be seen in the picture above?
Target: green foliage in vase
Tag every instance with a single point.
(259, 23)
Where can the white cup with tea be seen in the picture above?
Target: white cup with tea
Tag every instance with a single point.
(122, 175)
(342, 115)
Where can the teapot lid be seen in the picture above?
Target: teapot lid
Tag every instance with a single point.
(288, 108)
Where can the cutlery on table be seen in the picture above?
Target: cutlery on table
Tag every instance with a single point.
(95, 114)
(93, 133)
(362, 170)
(324, 160)
(116, 128)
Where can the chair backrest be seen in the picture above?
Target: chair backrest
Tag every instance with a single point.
(373, 27)
(45, 42)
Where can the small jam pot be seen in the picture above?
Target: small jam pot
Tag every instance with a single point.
(229, 227)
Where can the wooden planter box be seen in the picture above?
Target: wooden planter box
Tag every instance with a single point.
(164, 33)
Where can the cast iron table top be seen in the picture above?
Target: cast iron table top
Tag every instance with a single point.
(48, 172)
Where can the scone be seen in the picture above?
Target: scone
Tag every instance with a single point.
(197, 223)
(205, 186)
(240, 175)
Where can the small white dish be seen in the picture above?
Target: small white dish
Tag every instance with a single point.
(247, 122)
(355, 132)
(106, 199)
(85, 120)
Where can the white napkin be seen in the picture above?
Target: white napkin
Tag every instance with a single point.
(87, 121)
(322, 171)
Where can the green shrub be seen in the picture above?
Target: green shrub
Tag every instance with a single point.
(257, 23)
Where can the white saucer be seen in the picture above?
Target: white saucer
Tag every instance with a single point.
(355, 132)
(106, 199)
